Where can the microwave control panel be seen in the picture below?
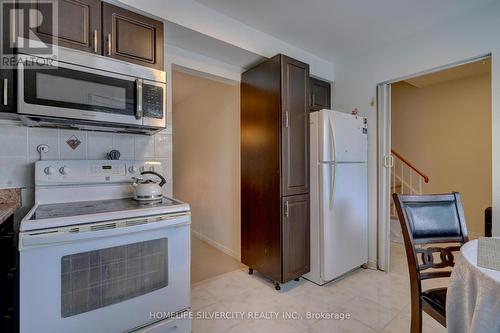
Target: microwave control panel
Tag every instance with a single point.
(152, 101)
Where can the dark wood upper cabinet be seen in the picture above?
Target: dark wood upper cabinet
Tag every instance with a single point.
(132, 37)
(7, 93)
(320, 94)
(295, 133)
(79, 24)
(296, 238)
(101, 28)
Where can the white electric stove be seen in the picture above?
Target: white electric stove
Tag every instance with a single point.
(92, 259)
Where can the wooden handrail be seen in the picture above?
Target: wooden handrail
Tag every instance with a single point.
(411, 165)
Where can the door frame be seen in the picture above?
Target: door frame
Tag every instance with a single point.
(385, 160)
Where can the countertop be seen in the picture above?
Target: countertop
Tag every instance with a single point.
(6, 211)
(10, 200)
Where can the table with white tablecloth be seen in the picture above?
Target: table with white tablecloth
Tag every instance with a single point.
(473, 297)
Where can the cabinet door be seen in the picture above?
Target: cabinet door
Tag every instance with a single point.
(295, 129)
(296, 237)
(7, 100)
(79, 24)
(132, 37)
(319, 94)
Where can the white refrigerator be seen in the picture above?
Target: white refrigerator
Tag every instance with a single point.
(339, 195)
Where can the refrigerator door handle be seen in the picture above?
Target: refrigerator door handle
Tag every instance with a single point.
(332, 185)
(332, 140)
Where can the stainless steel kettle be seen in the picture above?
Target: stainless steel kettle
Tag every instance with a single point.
(148, 189)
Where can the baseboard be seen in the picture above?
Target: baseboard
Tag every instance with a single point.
(217, 245)
(474, 235)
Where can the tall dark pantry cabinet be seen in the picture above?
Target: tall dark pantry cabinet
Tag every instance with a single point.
(275, 169)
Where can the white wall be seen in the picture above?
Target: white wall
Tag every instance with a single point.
(467, 37)
(195, 16)
(18, 152)
(206, 160)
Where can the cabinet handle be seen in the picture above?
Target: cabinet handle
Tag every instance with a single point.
(13, 26)
(5, 91)
(109, 44)
(286, 119)
(95, 41)
(287, 211)
(314, 99)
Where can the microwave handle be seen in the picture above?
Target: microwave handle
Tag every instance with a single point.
(138, 101)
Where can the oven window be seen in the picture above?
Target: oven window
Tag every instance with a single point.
(72, 89)
(94, 279)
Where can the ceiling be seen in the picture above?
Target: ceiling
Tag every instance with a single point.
(187, 39)
(455, 73)
(335, 28)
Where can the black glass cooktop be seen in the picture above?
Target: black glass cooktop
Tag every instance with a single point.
(69, 209)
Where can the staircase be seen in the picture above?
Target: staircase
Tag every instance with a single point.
(406, 178)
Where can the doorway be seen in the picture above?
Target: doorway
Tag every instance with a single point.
(205, 114)
(436, 137)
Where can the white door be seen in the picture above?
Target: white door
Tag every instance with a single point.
(385, 162)
(104, 279)
(344, 218)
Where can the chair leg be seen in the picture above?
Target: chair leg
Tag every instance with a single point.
(416, 318)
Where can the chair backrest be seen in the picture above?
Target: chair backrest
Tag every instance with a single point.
(430, 219)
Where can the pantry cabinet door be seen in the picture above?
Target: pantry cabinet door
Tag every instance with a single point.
(296, 237)
(295, 127)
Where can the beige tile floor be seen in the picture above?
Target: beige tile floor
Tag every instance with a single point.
(376, 302)
(208, 262)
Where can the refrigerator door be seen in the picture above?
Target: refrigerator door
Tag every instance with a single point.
(343, 218)
(343, 137)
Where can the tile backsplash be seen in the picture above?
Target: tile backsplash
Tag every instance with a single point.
(18, 151)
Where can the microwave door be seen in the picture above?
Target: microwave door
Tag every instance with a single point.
(74, 92)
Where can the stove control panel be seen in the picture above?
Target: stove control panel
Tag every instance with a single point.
(65, 172)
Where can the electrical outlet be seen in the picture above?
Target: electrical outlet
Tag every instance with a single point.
(42, 149)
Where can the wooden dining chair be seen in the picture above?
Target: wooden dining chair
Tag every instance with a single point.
(425, 220)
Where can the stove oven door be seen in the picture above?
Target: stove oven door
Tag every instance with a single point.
(105, 277)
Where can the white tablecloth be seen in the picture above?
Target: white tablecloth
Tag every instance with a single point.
(473, 297)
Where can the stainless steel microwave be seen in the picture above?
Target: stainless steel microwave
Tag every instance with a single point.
(91, 92)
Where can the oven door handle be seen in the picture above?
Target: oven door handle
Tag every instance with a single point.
(107, 229)
(138, 102)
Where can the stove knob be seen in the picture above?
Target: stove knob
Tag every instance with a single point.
(142, 169)
(132, 169)
(64, 170)
(48, 170)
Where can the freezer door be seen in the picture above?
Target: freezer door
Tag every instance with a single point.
(349, 137)
(343, 137)
(343, 218)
